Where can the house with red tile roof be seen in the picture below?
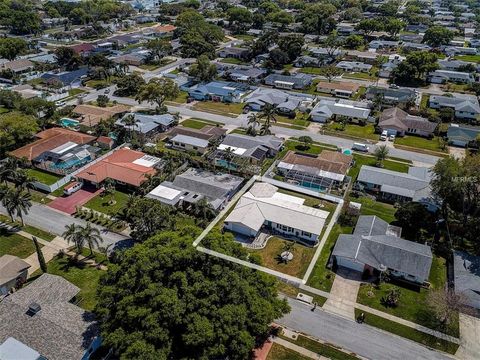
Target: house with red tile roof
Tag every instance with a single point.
(83, 49)
(125, 166)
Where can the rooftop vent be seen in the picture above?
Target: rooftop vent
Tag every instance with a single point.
(33, 308)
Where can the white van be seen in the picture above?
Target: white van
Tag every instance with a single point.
(71, 188)
(384, 135)
(360, 147)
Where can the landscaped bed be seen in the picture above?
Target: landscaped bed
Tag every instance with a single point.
(102, 203)
(412, 304)
(270, 256)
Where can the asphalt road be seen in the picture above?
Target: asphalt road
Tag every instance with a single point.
(48, 219)
(361, 339)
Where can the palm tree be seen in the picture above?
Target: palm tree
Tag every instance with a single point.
(204, 209)
(91, 236)
(9, 168)
(268, 117)
(23, 180)
(381, 153)
(72, 234)
(253, 120)
(130, 122)
(228, 156)
(18, 202)
(109, 190)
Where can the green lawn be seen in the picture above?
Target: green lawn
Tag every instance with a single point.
(302, 255)
(43, 177)
(420, 142)
(424, 101)
(360, 93)
(3, 110)
(100, 203)
(80, 274)
(233, 61)
(322, 277)
(73, 92)
(469, 58)
(311, 201)
(372, 207)
(361, 160)
(311, 70)
(363, 132)
(181, 98)
(44, 235)
(412, 305)
(197, 123)
(299, 120)
(321, 349)
(278, 352)
(408, 332)
(219, 107)
(313, 149)
(14, 244)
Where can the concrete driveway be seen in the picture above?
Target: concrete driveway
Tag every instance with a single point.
(343, 295)
(470, 338)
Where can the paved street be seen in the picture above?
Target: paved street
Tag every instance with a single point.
(361, 339)
(54, 221)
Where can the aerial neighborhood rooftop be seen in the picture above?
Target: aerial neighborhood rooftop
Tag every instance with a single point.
(232, 179)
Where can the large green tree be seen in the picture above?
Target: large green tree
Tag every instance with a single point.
(436, 36)
(10, 48)
(157, 91)
(166, 300)
(203, 70)
(15, 130)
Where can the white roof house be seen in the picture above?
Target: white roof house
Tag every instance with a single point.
(263, 206)
(325, 109)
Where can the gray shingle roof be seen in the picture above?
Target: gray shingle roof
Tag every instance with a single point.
(190, 140)
(60, 330)
(467, 277)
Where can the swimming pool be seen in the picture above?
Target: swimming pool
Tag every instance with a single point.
(347, 152)
(70, 163)
(66, 122)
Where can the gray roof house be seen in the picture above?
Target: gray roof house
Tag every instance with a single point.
(13, 271)
(396, 186)
(461, 135)
(196, 184)
(283, 101)
(399, 122)
(296, 81)
(375, 245)
(246, 74)
(442, 76)
(466, 269)
(465, 106)
(326, 108)
(41, 317)
(383, 44)
(148, 124)
(453, 65)
(354, 66)
(391, 96)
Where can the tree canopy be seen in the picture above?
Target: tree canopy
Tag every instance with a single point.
(163, 299)
(436, 36)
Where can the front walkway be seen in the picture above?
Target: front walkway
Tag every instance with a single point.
(470, 338)
(343, 294)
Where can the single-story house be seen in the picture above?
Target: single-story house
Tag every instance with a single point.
(66, 78)
(461, 135)
(91, 115)
(460, 50)
(254, 149)
(297, 81)
(13, 272)
(19, 66)
(465, 106)
(466, 268)
(234, 52)
(246, 75)
(354, 66)
(328, 169)
(415, 46)
(84, 49)
(148, 125)
(40, 321)
(391, 96)
(376, 245)
(454, 65)
(229, 92)
(338, 89)
(306, 60)
(124, 166)
(443, 76)
(395, 186)
(398, 122)
(284, 102)
(325, 109)
(383, 44)
(264, 208)
(196, 184)
(324, 54)
(362, 56)
(190, 143)
(196, 140)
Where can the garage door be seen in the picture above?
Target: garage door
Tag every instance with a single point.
(350, 264)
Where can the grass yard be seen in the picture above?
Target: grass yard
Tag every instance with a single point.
(311, 70)
(43, 177)
(233, 61)
(197, 123)
(44, 235)
(321, 349)
(469, 58)
(302, 255)
(363, 132)
(14, 244)
(313, 149)
(219, 107)
(424, 101)
(80, 274)
(372, 207)
(361, 160)
(311, 201)
(278, 352)
(322, 277)
(181, 98)
(420, 142)
(412, 305)
(371, 75)
(360, 93)
(408, 332)
(100, 203)
(73, 92)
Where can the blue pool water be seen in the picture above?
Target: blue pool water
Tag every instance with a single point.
(347, 152)
(313, 186)
(70, 163)
(66, 122)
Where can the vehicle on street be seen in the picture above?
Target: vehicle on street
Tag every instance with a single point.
(360, 147)
(60, 103)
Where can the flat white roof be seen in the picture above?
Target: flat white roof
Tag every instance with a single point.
(147, 161)
(165, 192)
(64, 147)
(236, 150)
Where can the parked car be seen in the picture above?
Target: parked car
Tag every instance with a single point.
(391, 138)
(106, 91)
(360, 147)
(71, 188)
(60, 103)
(384, 135)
